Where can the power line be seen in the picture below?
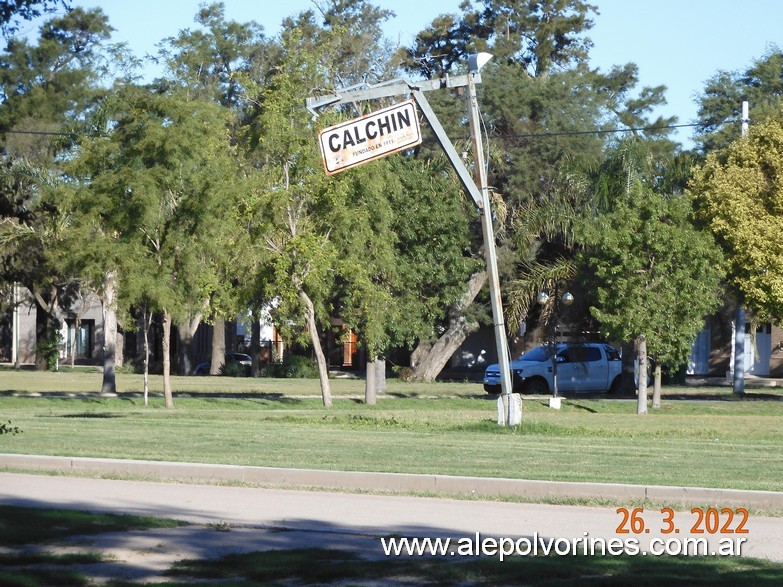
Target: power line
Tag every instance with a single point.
(511, 135)
(597, 132)
(36, 132)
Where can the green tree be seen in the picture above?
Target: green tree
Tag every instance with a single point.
(541, 106)
(403, 258)
(12, 12)
(761, 85)
(350, 40)
(655, 275)
(158, 192)
(28, 227)
(209, 64)
(354, 246)
(737, 193)
(298, 207)
(45, 86)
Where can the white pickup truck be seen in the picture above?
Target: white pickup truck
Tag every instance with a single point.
(580, 367)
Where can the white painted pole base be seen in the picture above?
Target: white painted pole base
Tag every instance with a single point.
(510, 415)
(554, 403)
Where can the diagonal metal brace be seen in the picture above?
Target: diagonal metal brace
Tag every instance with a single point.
(417, 89)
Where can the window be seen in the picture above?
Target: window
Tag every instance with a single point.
(537, 355)
(611, 353)
(81, 340)
(581, 354)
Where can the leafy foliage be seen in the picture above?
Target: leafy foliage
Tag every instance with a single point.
(738, 196)
(655, 274)
(14, 11)
(761, 85)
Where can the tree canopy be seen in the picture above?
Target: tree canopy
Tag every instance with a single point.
(654, 273)
(202, 192)
(738, 193)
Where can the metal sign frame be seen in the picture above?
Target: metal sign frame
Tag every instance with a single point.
(370, 137)
(480, 195)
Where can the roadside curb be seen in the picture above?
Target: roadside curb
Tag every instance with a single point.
(395, 482)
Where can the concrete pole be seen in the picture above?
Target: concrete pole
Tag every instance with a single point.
(370, 390)
(739, 318)
(15, 341)
(490, 254)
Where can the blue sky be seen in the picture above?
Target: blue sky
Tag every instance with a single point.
(676, 43)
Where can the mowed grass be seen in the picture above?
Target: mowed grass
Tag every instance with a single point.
(701, 437)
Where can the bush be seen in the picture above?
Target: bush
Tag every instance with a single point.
(233, 370)
(298, 367)
(128, 369)
(404, 373)
(50, 349)
(292, 367)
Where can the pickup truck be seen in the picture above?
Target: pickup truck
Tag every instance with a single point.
(580, 367)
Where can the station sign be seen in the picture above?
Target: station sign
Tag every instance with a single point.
(370, 137)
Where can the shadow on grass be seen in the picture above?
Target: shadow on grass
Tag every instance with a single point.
(295, 556)
(322, 566)
(26, 525)
(95, 415)
(133, 396)
(724, 397)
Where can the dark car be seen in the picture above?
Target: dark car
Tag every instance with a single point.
(235, 358)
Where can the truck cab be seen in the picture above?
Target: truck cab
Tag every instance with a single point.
(581, 367)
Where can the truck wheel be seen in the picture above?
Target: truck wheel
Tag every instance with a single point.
(492, 389)
(536, 387)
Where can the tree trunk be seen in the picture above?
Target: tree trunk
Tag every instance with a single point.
(46, 327)
(187, 331)
(218, 345)
(255, 346)
(431, 363)
(370, 384)
(380, 375)
(641, 401)
(109, 332)
(77, 325)
(119, 352)
(41, 337)
(185, 348)
(420, 353)
(656, 402)
(167, 359)
(147, 318)
(323, 370)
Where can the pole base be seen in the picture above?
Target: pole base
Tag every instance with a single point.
(554, 403)
(510, 410)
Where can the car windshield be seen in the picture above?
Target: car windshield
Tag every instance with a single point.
(537, 355)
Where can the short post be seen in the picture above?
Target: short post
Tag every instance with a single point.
(370, 384)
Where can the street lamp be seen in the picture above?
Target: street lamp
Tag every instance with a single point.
(566, 299)
(509, 411)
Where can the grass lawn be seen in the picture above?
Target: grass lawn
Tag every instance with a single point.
(700, 437)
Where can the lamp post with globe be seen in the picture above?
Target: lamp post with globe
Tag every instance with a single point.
(566, 299)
